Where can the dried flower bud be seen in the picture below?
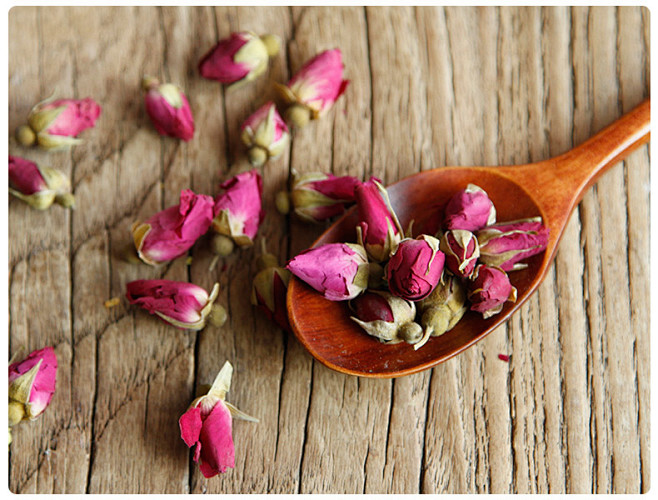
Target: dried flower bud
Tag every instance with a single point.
(462, 251)
(489, 290)
(179, 303)
(38, 187)
(379, 230)
(504, 245)
(469, 209)
(172, 232)
(242, 57)
(31, 385)
(169, 109)
(337, 270)
(207, 426)
(265, 134)
(415, 268)
(54, 124)
(444, 307)
(315, 88)
(268, 291)
(383, 315)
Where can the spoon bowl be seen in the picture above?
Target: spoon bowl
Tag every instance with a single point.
(550, 189)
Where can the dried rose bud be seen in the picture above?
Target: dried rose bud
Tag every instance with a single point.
(39, 187)
(337, 270)
(238, 212)
(268, 291)
(315, 87)
(242, 57)
(31, 385)
(317, 197)
(444, 307)
(168, 108)
(379, 230)
(469, 209)
(489, 290)
(179, 303)
(504, 245)
(170, 233)
(54, 124)
(265, 134)
(385, 316)
(207, 425)
(415, 268)
(462, 251)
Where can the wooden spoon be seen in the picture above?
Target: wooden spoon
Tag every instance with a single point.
(550, 188)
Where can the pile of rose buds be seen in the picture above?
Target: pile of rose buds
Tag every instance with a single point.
(408, 289)
(232, 216)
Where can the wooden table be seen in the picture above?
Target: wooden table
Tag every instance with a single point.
(429, 87)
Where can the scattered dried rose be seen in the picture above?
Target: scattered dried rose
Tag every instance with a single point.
(469, 209)
(170, 233)
(265, 134)
(337, 270)
(462, 251)
(386, 317)
(489, 290)
(317, 197)
(179, 303)
(54, 124)
(315, 88)
(38, 187)
(268, 291)
(241, 57)
(379, 230)
(31, 385)
(415, 268)
(207, 425)
(168, 108)
(444, 307)
(505, 244)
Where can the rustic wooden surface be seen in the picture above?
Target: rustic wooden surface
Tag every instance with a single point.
(430, 87)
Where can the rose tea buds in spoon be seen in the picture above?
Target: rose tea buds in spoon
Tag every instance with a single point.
(505, 244)
(462, 250)
(489, 290)
(168, 108)
(444, 307)
(265, 134)
(38, 187)
(469, 209)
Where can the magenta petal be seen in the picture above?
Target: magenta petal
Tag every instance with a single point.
(44, 383)
(217, 452)
(218, 63)
(190, 426)
(24, 176)
(78, 115)
(178, 300)
(168, 120)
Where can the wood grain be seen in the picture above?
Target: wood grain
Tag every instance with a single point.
(429, 87)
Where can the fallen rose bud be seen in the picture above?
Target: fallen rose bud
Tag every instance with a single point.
(337, 270)
(489, 290)
(54, 124)
(38, 187)
(469, 209)
(415, 268)
(179, 303)
(461, 250)
(315, 88)
(268, 291)
(172, 232)
(379, 230)
(31, 385)
(265, 134)
(504, 245)
(207, 426)
(444, 307)
(317, 197)
(241, 57)
(238, 212)
(168, 108)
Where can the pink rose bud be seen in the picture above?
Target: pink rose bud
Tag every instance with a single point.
(179, 303)
(238, 212)
(315, 87)
(265, 134)
(415, 268)
(386, 317)
(462, 251)
(379, 230)
(170, 233)
(168, 109)
(242, 57)
(54, 124)
(489, 290)
(317, 197)
(268, 291)
(31, 385)
(39, 187)
(337, 270)
(207, 426)
(469, 209)
(504, 245)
